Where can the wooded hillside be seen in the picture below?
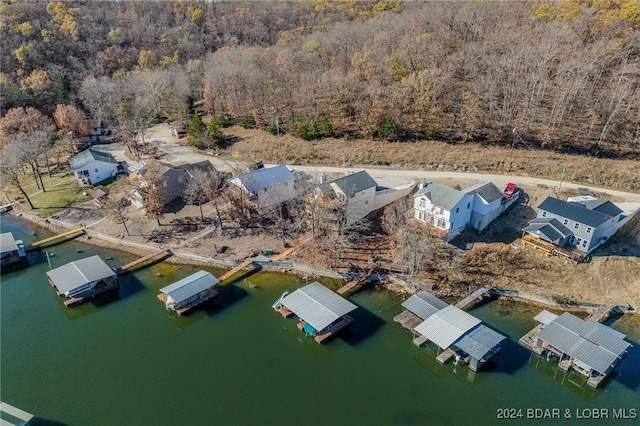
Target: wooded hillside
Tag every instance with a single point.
(565, 75)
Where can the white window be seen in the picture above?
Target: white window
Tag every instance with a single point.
(422, 203)
(544, 214)
(588, 229)
(576, 226)
(584, 243)
(566, 222)
(572, 240)
(579, 241)
(421, 215)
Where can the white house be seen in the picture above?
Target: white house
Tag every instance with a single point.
(92, 166)
(267, 187)
(453, 210)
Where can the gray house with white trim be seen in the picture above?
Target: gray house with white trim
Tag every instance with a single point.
(580, 225)
(92, 166)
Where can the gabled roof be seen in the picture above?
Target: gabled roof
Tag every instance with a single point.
(317, 305)
(263, 178)
(79, 272)
(447, 325)
(577, 212)
(479, 341)
(604, 207)
(549, 229)
(7, 242)
(440, 195)
(189, 286)
(350, 184)
(593, 344)
(487, 191)
(424, 304)
(88, 156)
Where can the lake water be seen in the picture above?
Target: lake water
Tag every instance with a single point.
(127, 361)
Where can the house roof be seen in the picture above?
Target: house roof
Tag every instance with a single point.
(7, 242)
(351, 183)
(440, 195)
(593, 344)
(479, 341)
(487, 191)
(88, 156)
(577, 212)
(549, 229)
(317, 305)
(447, 325)
(189, 286)
(79, 272)
(263, 178)
(424, 304)
(604, 207)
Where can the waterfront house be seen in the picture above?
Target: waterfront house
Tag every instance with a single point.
(170, 180)
(322, 312)
(350, 198)
(83, 279)
(92, 166)
(12, 250)
(188, 293)
(265, 187)
(590, 348)
(451, 210)
(459, 334)
(576, 226)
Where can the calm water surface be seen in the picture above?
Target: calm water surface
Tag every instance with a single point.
(128, 361)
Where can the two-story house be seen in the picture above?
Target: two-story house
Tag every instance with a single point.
(91, 166)
(581, 225)
(266, 187)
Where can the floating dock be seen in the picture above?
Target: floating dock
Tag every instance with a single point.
(164, 250)
(70, 233)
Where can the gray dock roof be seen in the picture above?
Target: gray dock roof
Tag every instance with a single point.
(317, 305)
(545, 317)
(579, 212)
(447, 325)
(193, 284)
(263, 178)
(79, 272)
(479, 341)
(7, 242)
(440, 195)
(487, 191)
(593, 344)
(424, 304)
(88, 156)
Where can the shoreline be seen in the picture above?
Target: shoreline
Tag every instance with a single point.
(293, 268)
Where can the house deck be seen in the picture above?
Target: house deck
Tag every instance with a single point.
(553, 250)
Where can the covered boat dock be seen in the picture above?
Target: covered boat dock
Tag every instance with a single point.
(590, 348)
(83, 280)
(418, 308)
(322, 312)
(13, 251)
(190, 292)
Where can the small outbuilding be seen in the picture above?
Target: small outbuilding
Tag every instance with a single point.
(83, 279)
(188, 293)
(322, 312)
(13, 252)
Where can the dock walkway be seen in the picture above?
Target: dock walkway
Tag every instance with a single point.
(236, 269)
(56, 237)
(289, 251)
(351, 284)
(479, 293)
(528, 340)
(408, 320)
(129, 265)
(602, 312)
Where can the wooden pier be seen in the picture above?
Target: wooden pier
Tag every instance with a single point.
(479, 293)
(351, 284)
(235, 270)
(165, 250)
(602, 312)
(291, 250)
(78, 231)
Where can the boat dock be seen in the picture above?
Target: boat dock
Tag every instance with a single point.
(165, 250)
(70, 233)
(529, 339)
(445, 356)
(478, 294)
(408, 320)
(236, 269)
(10, 415)
(109, 285)
(602, 312)
(211, 293)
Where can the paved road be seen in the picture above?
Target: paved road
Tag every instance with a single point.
(162, 137)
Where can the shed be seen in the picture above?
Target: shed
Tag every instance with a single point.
(189, 291)
(318, 307)
(81, 276)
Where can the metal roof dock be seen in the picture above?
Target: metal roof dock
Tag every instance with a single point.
(322, 312)
(184, 295)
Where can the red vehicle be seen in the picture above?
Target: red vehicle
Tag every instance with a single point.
(509, 189)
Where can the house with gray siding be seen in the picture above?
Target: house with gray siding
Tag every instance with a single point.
(583, 226)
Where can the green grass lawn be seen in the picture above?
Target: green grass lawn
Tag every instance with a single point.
(62, 191)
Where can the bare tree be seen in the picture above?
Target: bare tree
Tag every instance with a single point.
(12, 169)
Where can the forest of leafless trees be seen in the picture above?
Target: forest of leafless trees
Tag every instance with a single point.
(565, 75)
